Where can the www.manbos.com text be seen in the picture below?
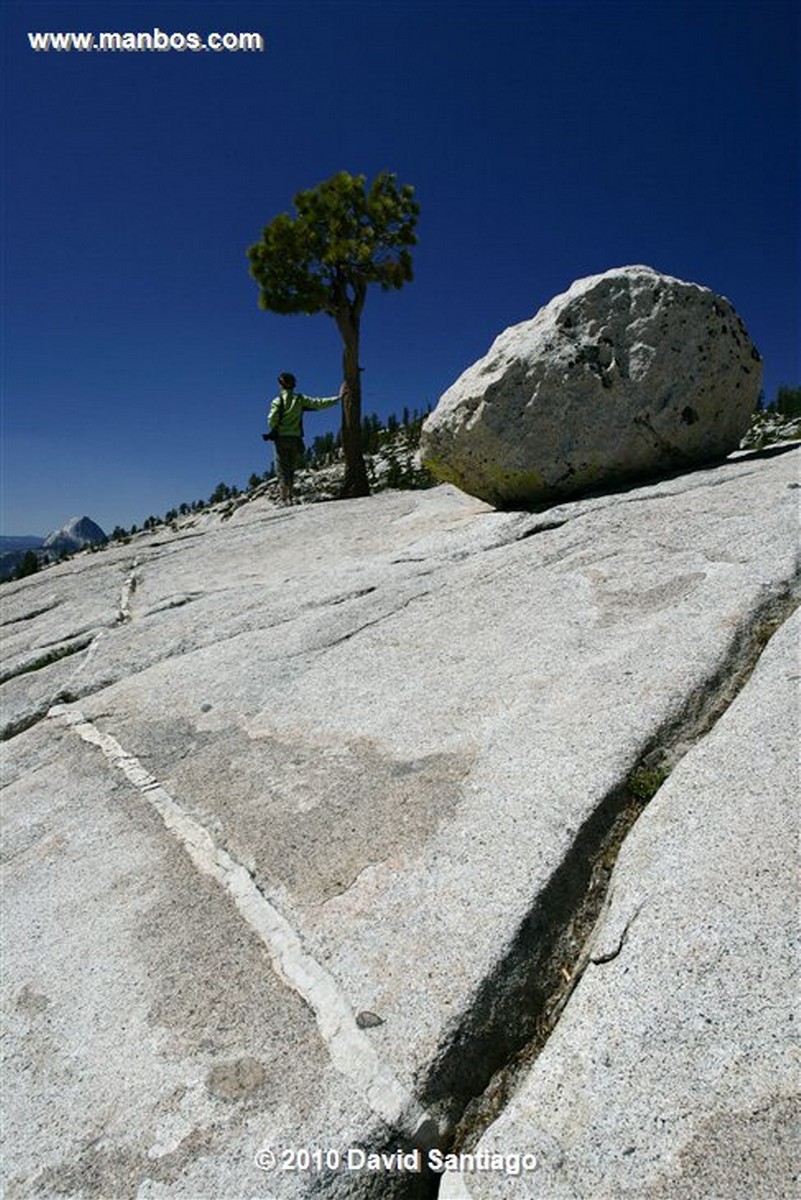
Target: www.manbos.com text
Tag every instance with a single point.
(154, 40)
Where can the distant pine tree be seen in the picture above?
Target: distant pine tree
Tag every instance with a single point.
(29, 566)
(220, 493)
(788, 401)
(395, 473)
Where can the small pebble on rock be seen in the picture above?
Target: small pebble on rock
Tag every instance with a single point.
(368, 1020)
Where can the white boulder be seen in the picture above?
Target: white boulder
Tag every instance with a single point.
(628, 374)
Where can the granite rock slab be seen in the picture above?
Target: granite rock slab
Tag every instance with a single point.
(674, 1070)
(284, 834)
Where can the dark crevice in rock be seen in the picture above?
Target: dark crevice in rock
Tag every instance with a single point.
(788, 447)
(705, 706)
(367, 591)
(87, 635)
(517, 1008)
(47, 660)
(37, 612)
(22, 724)
(31, 717)
(384, 616)
(169, 604)
(180, 537)
(544, 527)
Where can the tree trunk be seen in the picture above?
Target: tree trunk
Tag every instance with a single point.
(356, 482)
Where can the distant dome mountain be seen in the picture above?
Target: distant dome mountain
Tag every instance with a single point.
(78, 533)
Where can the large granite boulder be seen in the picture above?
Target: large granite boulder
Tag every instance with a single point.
(628, 374)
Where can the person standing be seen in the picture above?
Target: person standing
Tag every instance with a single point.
(285, 422)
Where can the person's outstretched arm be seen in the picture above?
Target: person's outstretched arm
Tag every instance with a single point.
(309, 402)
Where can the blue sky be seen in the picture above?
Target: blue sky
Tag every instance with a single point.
(546, 141)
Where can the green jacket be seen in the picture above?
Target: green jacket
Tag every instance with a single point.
(287, 409)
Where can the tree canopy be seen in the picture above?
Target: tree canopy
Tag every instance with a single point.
(343, 238)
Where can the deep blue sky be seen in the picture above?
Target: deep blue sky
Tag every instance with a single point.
(546, 141)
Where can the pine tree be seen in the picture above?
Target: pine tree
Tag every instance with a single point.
(343, 238)
(28, 566)
(220, 493)
(788, 401)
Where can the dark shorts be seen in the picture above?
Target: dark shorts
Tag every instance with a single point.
(290, 452)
